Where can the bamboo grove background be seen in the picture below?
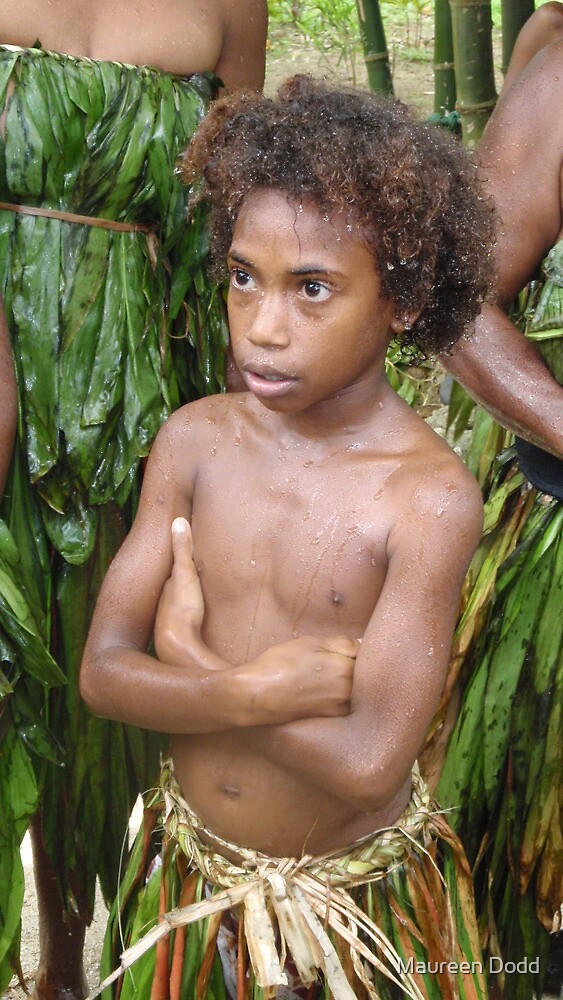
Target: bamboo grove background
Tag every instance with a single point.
(462, 58)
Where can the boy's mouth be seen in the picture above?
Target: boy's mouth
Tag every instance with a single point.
(263, 380)
(271, 378)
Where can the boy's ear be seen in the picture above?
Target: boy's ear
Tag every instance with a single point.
(405, 322)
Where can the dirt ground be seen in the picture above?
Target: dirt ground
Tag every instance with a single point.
(413, 83)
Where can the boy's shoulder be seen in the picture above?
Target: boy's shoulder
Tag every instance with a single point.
(205, 412)
(439, 463)
(432, 482)
(191, 432)
(419, 445)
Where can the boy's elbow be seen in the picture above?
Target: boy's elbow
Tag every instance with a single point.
(93, 688)
(370, 790)
(88, 693)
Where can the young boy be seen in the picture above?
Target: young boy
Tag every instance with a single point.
(331, 532)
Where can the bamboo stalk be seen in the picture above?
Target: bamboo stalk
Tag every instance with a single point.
(474, 72)
(444, 71)
(374, 44)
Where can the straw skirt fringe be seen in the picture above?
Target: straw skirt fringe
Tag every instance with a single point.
(392, 915)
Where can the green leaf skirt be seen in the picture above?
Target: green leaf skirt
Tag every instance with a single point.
(113, 324)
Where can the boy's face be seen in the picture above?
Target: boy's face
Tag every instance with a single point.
(306, 314)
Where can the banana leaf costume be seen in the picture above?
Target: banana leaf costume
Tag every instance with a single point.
(376, 919)
(113, 325)
(504, 761)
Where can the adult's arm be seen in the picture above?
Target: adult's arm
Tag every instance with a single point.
(521, 159)
(242, 63)
(200, 691)
(543, 27)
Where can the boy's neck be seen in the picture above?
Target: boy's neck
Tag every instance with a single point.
(353, 410)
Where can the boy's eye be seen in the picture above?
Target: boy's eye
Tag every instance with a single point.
(316, 290)
(240, 278)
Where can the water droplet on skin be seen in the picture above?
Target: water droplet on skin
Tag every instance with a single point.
(253, 562)
(213, 451)
(390, 266)
(237, 441)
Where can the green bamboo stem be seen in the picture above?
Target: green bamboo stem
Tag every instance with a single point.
(474, 72)
(444, 72)
(374, 45)
(514, 13)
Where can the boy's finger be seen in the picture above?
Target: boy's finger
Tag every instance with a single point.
(182, 546)
(342, 644)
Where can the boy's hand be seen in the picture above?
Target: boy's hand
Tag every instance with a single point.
(307, 677)
(181, 609)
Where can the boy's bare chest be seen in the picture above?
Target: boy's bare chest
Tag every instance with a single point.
(294, 547)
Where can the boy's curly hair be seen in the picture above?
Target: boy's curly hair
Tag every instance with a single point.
(407, 187)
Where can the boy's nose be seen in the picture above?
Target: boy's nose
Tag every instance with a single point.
(269, 327)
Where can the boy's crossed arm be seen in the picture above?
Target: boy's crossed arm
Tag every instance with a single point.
(191, 689)
(365, 756)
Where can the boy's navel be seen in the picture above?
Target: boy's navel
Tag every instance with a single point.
(231, 791)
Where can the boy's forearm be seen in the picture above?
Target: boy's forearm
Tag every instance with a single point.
(201, 695)
(330, 755)
(201, 692)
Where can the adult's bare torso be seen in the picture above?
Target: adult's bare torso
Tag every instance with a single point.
(290, 540)
(177, 36)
